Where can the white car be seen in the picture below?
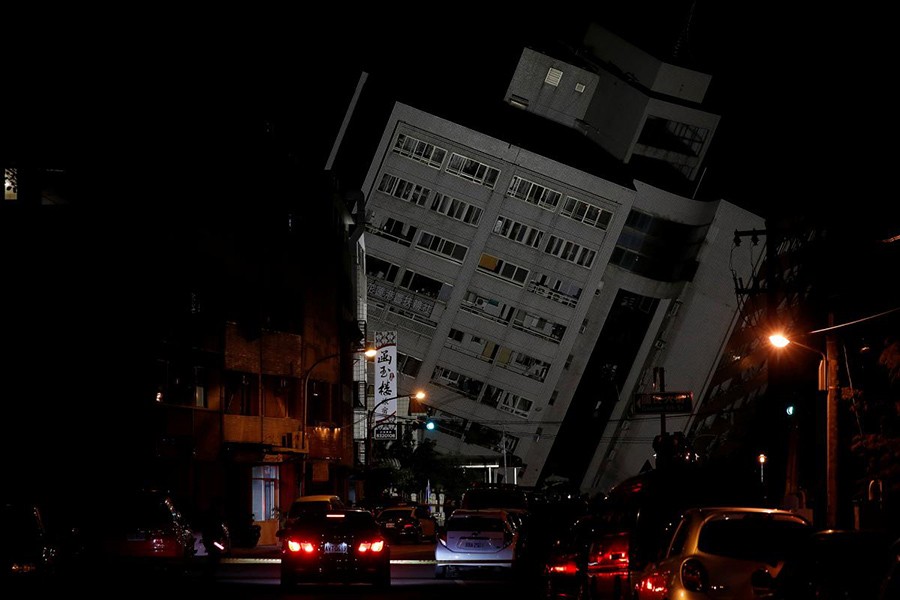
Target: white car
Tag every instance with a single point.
(721, 552)
(476, 540)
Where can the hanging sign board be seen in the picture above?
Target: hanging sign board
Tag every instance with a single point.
(664, 402)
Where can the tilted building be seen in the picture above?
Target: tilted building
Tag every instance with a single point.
(543, 266)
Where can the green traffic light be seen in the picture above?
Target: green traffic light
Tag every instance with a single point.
(429, 425)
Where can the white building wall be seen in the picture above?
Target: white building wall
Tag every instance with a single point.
(692, 339)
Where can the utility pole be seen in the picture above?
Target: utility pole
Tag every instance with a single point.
(831, 433)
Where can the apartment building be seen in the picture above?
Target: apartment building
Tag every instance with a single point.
(544, 266)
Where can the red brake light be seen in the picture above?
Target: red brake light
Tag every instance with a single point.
(653, 586)
(563, 568)
(300, 546)
(693, 575)
(612, 554)
(374, 546)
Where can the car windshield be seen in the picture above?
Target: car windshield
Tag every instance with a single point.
(752, 538)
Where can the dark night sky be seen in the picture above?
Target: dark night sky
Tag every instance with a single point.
(802, 88)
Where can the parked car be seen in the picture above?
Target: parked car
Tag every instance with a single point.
(478, 540)
(603, 553)
(590, 560)
(335, 546)
(316, 503)
(549, 518)
(27, 552)
(411, 522)
(850, 564)
(729, 550)
(147, 530)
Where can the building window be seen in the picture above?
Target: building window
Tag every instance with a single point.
(241, 393)
(396, 231)
(570, 251)
(586, 213)
(518, 232)
(554, 76)
(468, 168)
(456, 209)
(533, 193)
(403, 189)
(504, 270)
(438, 245)
(557, 289)
(410, 147)
(381, 269)
(264, 492)
(423, 285)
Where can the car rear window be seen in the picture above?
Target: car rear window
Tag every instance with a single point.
(475, 523)
(333, 520)
(395, 513)
(312, 506)
(493, 498)
(752, 538)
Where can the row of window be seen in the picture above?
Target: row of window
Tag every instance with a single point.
(472, 388)
(508, 314)
(475, 433)
(404, 234)
(459, 165)
(494, 353)
(519, 187)
(439, 203)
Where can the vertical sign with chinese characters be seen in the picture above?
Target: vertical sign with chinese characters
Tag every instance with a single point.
(385, 417)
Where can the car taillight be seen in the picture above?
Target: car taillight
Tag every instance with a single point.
(653, 586)
(563, 566)
(694, 576)
(373, 546)
(301, 546)
(613, 554)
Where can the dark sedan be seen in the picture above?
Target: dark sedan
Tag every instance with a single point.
(337, 546)
(409, 522)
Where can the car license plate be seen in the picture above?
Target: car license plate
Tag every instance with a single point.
(478, 545)
(335, 548)
(389, 525)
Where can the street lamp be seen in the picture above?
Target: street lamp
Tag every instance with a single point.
(828, 376)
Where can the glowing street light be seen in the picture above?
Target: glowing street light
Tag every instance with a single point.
(828, 369)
